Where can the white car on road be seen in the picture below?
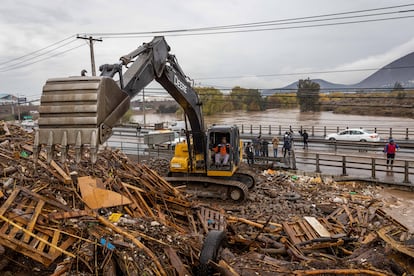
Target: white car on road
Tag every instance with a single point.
(354, 135)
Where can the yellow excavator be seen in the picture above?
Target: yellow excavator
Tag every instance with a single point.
(80, 112)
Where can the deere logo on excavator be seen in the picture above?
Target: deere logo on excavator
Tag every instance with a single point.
(179, 84)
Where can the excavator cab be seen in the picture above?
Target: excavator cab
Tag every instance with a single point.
(223, 153)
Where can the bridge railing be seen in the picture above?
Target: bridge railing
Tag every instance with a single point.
(322, 131)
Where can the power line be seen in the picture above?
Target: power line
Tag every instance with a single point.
(39, 50)
(37, 61)
(38, 55)
(261, 23)
(305, 73)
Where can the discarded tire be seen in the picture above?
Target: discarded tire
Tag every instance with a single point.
(214, 241)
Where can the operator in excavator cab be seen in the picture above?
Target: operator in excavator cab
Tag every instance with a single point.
(222, 152)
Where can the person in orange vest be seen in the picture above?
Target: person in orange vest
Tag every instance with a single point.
(390, 148)
(222, 151)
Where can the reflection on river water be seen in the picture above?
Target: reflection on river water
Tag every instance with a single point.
(287, 117)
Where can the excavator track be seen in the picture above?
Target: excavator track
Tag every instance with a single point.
(246, 177)
(208, 187)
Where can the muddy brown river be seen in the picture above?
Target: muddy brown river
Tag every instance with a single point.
(291, 117)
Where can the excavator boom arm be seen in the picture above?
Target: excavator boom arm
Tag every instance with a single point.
(82, 110)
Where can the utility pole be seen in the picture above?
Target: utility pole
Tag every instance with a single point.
(91, 40)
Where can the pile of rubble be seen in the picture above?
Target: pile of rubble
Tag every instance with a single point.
(117, 217)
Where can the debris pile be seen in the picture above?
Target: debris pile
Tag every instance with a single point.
(117, 217)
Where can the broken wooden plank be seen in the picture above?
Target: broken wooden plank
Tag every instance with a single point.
(318, 227)
(71, 214)
(32, 223)
(176, 262)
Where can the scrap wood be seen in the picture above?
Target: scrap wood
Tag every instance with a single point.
(8, 171)
(135, 241)
(37, 237)
(350, 217)
(339, 272)
(268, 260)
(277, 228)
(41, 245)
(6, 129)
(70, 214)
(95, 197)
(317, 226)
(139, 202)
(66, 178)
(384, 232)
(176, 262)
(225, 269)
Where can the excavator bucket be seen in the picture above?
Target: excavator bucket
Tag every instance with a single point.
(78, 111)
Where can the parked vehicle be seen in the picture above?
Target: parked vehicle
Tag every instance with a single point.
(357, 134)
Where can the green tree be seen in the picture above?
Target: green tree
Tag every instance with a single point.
(212, 99)
(308, 95)
(247, 99)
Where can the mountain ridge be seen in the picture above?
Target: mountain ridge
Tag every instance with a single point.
(400, 70)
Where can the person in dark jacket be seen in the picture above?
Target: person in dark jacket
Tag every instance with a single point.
(390, 149)
(287, 144)
(249, 151)
(265, 148)
(305, 137)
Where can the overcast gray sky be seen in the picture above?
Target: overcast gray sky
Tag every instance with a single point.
(223, 60)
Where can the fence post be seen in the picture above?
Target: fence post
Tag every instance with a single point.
(270, 130)
(373, 176)
(343, 165)
(293, 159)
(390, 132)
(242, 130)
(337, 129)
(324, 131)
(251, 129)
(280, 130)
(313, 131)
(260, 129)
(318, 169)
(406, 180)
(406, 133)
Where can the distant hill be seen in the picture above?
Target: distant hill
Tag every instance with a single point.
(294, 86)
(400, 70)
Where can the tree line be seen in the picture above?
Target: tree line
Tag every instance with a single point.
(308, 98)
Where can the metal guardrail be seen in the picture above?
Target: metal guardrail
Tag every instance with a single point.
(322, 131)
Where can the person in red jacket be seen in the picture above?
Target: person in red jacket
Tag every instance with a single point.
(390, 148)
